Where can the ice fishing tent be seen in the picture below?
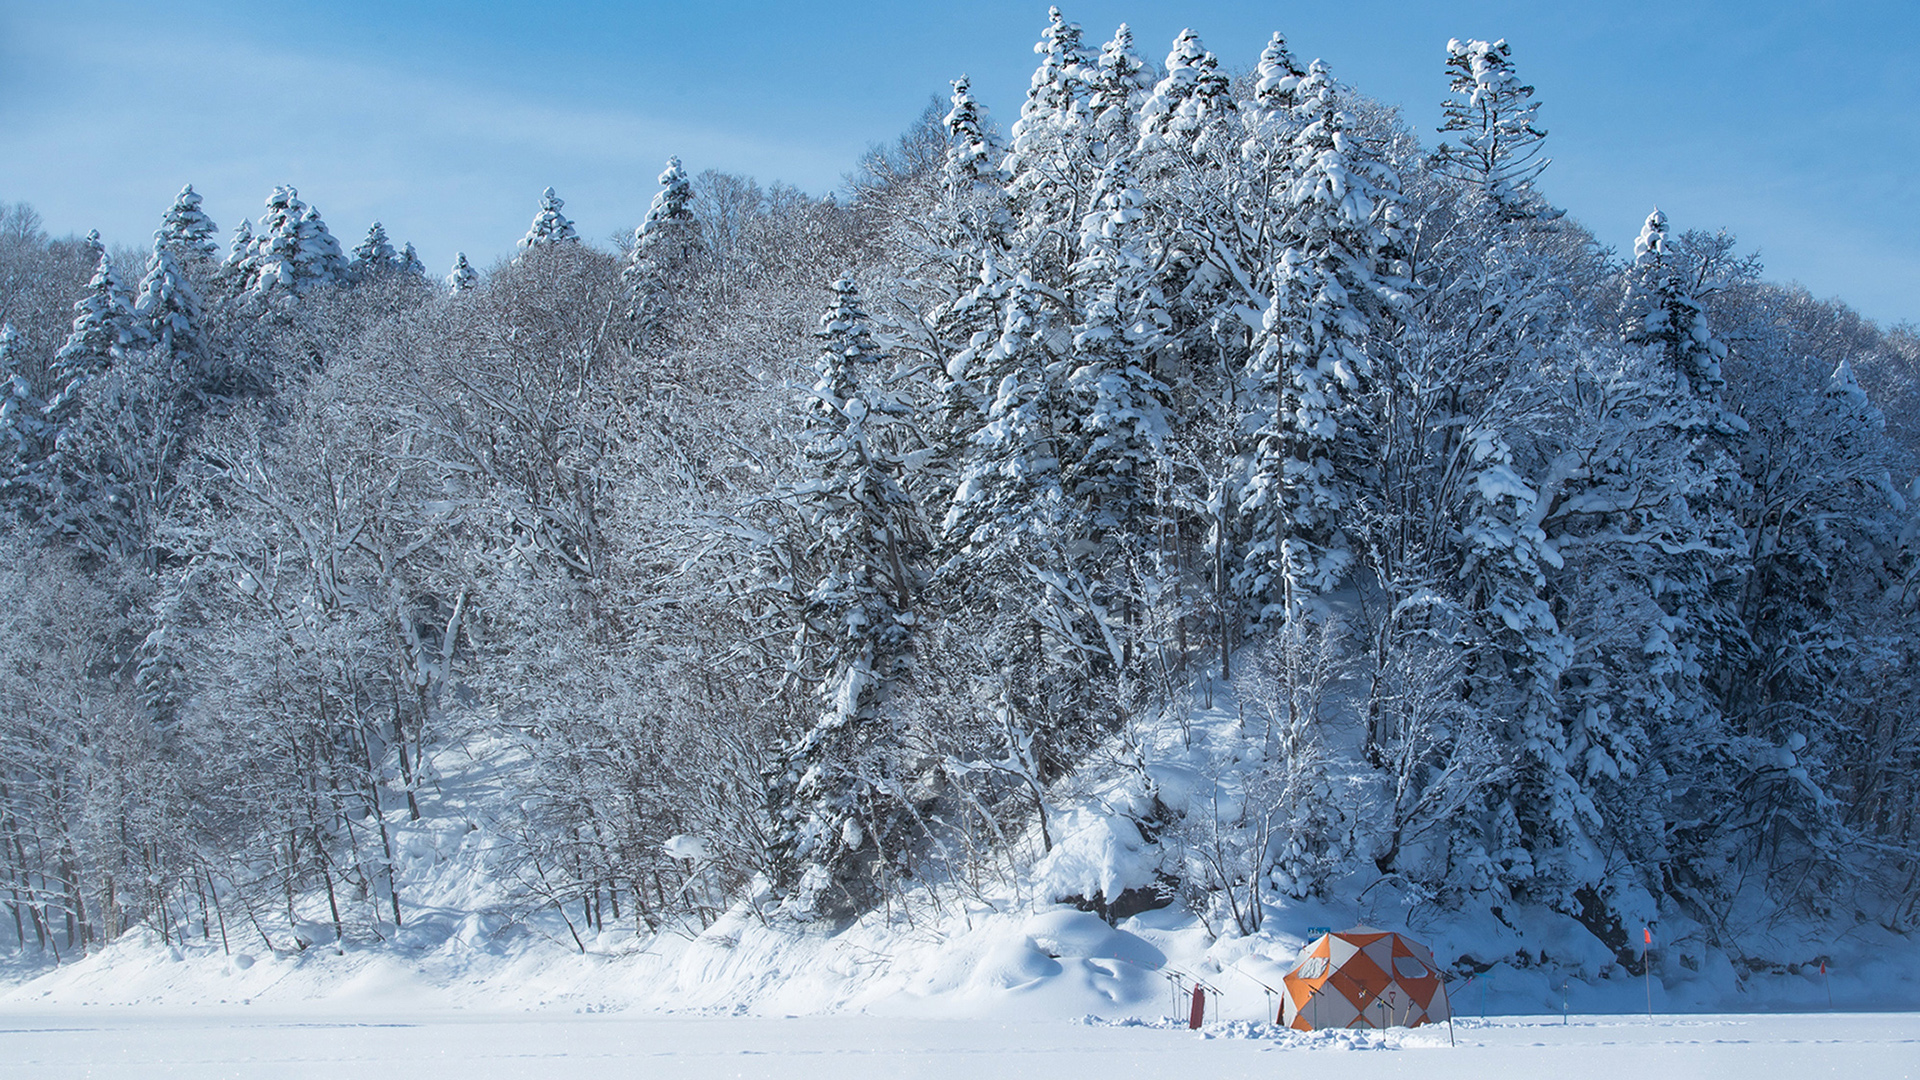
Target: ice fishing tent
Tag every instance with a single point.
(1363, 978)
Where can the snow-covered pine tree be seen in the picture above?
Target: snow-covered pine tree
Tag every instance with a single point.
(115, 425)
(1056, 95)
(1662, 313)
(292, 250)
(321, 259)
(838, 795)
(1009, 495)
(1519, 651)
(1121, 412)
(1049, 175)
(189, 231)
(170, 308)
(664, 248)
(966, 242)
(1276, 79)
(974, 204)
(1701, 564)
(1271, 120)
(1643, 513)
(549, 226)
(1187, 114)
(374, 258)
(1009, 533)
(1010, 526)
(971, 227)
(105, 329)
(1506, 573)
(1118, 84)
(1817, 514)
(411, 268)
(236, 270)
(1499, 152)
(24, 432)
(670, 236)
(1205, 215)
(274, 261)
(1336, 290)
(463, 277)
(1492, 313)
(1497, 286)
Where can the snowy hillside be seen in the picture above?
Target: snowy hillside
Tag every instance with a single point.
(1000, 945)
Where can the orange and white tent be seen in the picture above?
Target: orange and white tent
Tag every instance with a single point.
(1363, 978)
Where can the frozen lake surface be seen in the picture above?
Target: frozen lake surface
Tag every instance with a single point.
(138, 1042)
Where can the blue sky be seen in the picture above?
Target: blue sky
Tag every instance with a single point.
(1794, 125)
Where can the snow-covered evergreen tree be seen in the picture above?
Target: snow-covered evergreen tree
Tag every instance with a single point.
(1121, 413)
(1049, 175)
(1276, 79)
(276, 259)
(972, 223)
(1492, 314)
(1204, 208)
(463, 277)
(1697, 567)
(1189, 107)
(1661, 312)
(410, 267)
(105, 329)
(1118, 84)
(1010, 525)
(1009, 495)
(24, 431)
(188, 230)
(1270, 123)
(1119, 427)
(1056, 95)
(671, 228)
(321, 258)
(837, 797)
(374, 258)
(664, 248)
(170, 308)
(1336, 289)
(974, 205)
(292, 250)
(237, 268)
(1499, 152)
(114, 426)
(1645, 516)
(549, 226)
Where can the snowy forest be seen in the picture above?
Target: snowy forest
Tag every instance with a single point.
(801, 551)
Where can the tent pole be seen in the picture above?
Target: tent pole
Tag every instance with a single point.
(1646, 968)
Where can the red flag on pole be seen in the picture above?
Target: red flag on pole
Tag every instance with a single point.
(1648, 931)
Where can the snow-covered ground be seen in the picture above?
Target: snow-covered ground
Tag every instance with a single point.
(140, 1043)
